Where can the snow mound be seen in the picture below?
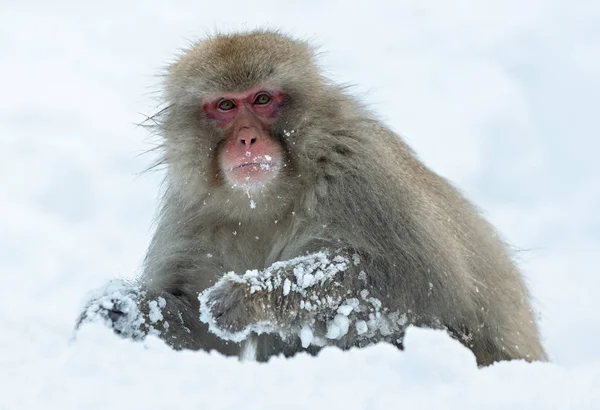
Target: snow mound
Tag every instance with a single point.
(102, 371)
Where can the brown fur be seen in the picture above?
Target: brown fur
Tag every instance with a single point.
(350, 185)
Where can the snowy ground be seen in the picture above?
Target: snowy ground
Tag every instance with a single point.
(499, 96)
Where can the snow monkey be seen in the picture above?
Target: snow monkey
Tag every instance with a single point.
(293, 219)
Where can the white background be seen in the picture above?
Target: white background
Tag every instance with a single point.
(499, 96)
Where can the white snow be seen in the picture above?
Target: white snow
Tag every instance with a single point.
(306, 336)
(155, 312)
(287, 286)
(308, 270)
(345, 309)
(498, 96)
(361, 327)
(99, 371)
(338, 327)
(248, 350)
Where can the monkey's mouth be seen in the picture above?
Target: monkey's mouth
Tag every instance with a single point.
(266, 166)
(252, 174)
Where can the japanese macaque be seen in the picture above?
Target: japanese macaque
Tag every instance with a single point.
(293, 219)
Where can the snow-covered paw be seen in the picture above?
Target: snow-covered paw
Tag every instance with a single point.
(115, 305)
(227, 309)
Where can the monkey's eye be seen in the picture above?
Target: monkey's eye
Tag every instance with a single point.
(262, 99)
(226, 105)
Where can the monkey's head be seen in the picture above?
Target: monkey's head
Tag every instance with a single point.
(234, 101)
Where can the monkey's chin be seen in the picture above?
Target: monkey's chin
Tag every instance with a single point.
(252, 176)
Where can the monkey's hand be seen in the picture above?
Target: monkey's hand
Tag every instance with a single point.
(283, 298)
(233, 309)
(117, 306)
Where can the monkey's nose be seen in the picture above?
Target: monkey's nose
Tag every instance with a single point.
(247, 136)
(247, 141)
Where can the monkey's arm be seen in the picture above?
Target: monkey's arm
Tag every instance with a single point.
(323, 298)
(133, 312)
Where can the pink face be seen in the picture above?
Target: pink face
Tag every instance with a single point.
(250, 156)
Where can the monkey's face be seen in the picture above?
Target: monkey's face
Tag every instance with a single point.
(248, 156)
(235, 125)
